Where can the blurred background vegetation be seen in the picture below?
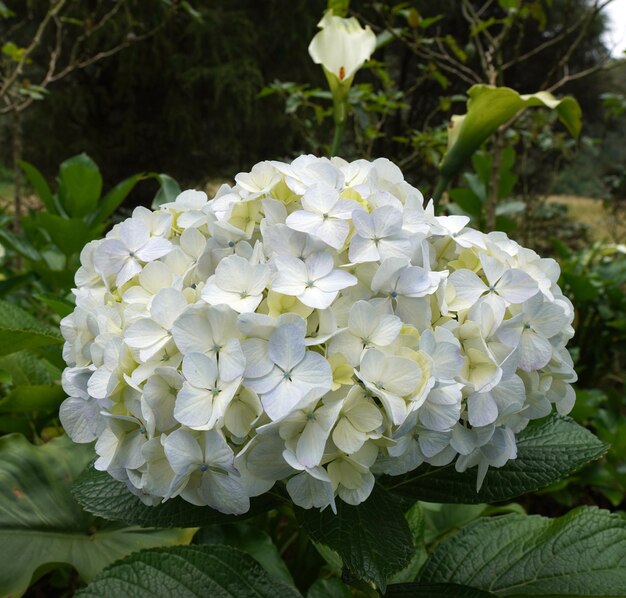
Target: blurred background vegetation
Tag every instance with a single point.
(201, 91)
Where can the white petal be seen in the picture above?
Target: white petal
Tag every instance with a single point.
(193, 407)
(130, 268)
(166, 306)
(320, 198)
(363, 250)
(319, 265)
(154, 249)
(200, 370)
(81, 419)
(286, 347)
(231, 361)
(224, 493)
(258, 362)
(337, 280)
(468, 288)
(307, 491)
(316, 298)
(482, 410)
(303, 221)
(134, 234)
(534, 351)
(347, 438)
(310, 446)
(516, 286)
(291, 275)
(387, 330)
(342, 47)
(182, 451)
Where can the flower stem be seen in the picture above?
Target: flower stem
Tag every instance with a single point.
(337, 137)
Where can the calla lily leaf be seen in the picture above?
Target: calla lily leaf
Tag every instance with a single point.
(488, 108)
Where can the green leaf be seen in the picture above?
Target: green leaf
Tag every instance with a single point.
(202, 571)
(22, 246)
(19, 330)
(445, 590)
(41, 524)
(25, 367)
(467, 200)
(80, 185)
(69, 235)
(507, 177)
(33, 397)
(373, 538)
(329, 588)
(416, 519)
(252, 541)
(579, 554)
(60, 306)
(440, 519)
(113, 199)
(101, 495)
(169, 190)
(547, 451)
(488, 108)
(482, 163)
(510, 208)
(36, 179)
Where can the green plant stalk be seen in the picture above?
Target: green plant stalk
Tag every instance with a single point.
(494, 186)
(341, 108)
(340, 126)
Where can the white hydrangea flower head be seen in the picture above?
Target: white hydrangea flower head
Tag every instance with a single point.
(314, 325)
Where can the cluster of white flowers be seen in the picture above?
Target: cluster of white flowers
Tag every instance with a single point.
(315, 324)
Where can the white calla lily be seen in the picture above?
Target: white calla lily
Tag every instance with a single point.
(342, 46)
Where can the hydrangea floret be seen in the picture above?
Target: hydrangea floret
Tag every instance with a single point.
(314, 325)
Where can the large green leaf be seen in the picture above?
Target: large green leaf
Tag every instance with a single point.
(373, 539)
(188, 571)
(36, 179)
(25, 367)
(101, 495)
(488, 108)
(80, 185)
(546, 452)
(251, 540)
(416, 519)
(331, 587)
(19, 330)
(580, 554)
(112, 200)
(70, 235)
(19, 244)
(41, 524)
(33, 397)
(444, 590)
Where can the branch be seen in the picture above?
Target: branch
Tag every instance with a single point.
(554, 40)
(51, 76)
(51, 14)
(484, 62)
(591, 15)
(586, 72)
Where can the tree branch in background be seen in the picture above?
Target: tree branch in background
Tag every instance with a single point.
(14, 93)
(12, 78)
(582, 32)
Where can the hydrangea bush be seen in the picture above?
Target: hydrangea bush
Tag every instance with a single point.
(314, 324)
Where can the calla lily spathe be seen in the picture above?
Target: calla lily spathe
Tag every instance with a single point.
(342, 46)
